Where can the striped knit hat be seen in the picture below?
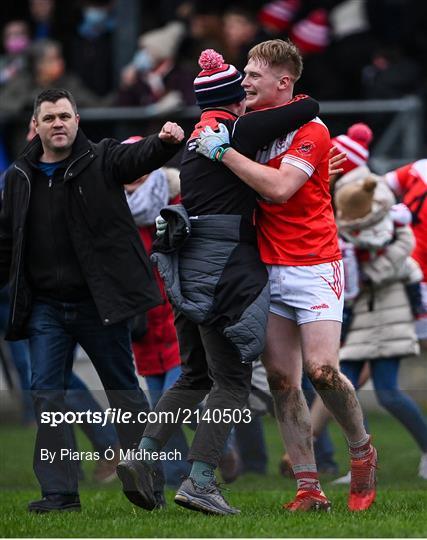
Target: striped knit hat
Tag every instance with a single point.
(277, 16)
(312, 34)
(355, 144)
(217, 83)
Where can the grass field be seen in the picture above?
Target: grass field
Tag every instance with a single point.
(400, 510)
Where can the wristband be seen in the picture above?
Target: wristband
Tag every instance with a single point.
(219, 154)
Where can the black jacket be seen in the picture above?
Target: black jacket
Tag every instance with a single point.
(214, 276)
(101, 227)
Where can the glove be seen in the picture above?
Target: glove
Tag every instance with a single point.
(213, 144)
(161, 226)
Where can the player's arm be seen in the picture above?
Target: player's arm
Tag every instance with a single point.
(277, 185)
(256, 129)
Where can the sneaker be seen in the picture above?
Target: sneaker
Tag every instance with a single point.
(54, 503)
(207, 499)
(363, 482)
(422, 469)
(306, 501)
(285, 467)
(137, 480)
(343, 480)
(105, 470)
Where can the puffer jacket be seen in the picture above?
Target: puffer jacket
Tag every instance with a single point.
(382, 324)
(213, 275)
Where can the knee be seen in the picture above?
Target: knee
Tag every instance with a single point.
(325, 377)
(389, 399)
(198, 381)
(279, 381)
(237, 387)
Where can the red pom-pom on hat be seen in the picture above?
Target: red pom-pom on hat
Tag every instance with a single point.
(355, 143)
(360, 132)
(218, 83)
(210, 59)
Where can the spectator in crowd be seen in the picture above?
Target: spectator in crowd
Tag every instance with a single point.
(241, 32)
(409, 183)
(204, 31)
(50, 19)
(382, 329)
(391, 74)
(355, 144)
(295, 171)
(42, 17)
(46, 69)
(16, 40)
(144, 80)
(351, 47)
(82, 275)
(91, 50)
(277, 17)
(222, 286)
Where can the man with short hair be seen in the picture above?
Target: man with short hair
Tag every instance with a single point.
(297, 238)
(78, 274)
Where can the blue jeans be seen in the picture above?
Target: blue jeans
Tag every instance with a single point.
(174, 470)
(79, 398)
(54, 330)
(384, 373)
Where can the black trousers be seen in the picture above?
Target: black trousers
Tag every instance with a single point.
(210, 366)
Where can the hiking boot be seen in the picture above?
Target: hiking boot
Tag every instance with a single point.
(207, 499)
(54, 503)
(137, 481)
(363, 482)
(307, 501)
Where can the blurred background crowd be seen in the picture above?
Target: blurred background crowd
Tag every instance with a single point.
(129, 53)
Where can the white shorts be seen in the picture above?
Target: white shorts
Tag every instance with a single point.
(307, 293)
(421, 322)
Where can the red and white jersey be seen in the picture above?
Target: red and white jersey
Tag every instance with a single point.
(410, 184)
(301, 231)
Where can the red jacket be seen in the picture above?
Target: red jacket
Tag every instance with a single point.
(158, 351)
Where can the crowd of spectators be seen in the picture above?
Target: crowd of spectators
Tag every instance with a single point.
(353, 49)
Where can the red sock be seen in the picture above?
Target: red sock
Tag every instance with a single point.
(307, 478)
(360, 449)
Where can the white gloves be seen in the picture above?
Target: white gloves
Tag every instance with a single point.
(161, 226)
(213, 144)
